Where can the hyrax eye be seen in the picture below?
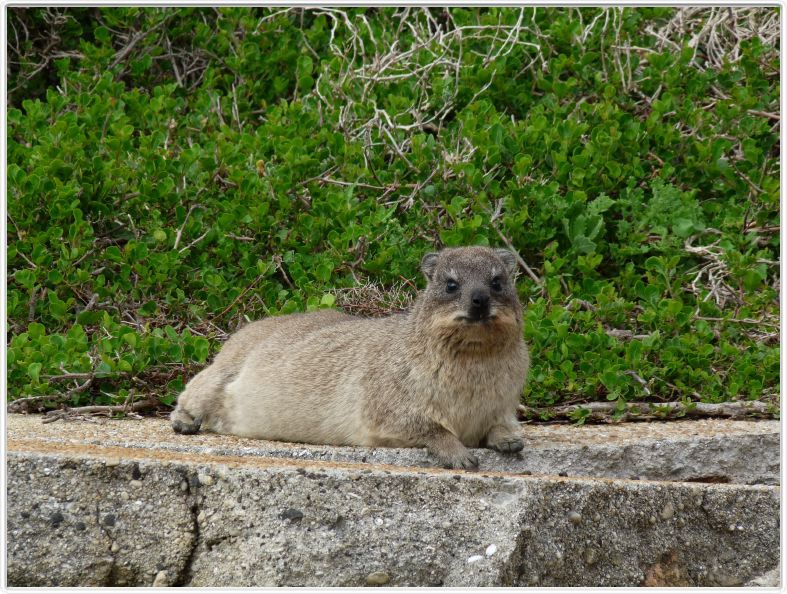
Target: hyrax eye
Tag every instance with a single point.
(451, 286)
(496, 284)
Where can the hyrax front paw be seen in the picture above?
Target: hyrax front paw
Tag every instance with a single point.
(509, 445)
(184, 423)
(462, 460)
(450, 452)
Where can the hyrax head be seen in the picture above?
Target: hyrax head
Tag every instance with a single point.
(471, 291)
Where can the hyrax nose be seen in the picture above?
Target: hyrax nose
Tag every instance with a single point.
(479, 300)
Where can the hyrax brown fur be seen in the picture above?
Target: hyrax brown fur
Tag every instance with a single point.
(447, 375)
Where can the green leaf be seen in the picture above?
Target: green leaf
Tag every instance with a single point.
(101, 34)
(148, 309)
(123, 365)
(583, 245)
(57, 307)
(201, 349)
(26, 278)
(36, 330)
(324, 271)
(683, 227)
(33, 370)
(752, 280)
(113, 253)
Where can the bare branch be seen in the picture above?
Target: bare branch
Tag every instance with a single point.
(56, 415)
(519, 259)
(121, 55)
(647, 411)
(422, 51)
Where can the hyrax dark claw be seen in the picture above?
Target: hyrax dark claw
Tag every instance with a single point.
(472, 462)
(510, 446)
(186, 428)
(466, 461)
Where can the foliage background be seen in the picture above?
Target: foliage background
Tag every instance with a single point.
(175, 172)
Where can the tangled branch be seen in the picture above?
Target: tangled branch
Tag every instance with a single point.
(711, 278)
(716, 34)
(427, 53)
(373, 300)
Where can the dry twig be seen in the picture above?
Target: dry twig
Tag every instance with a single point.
(373, 300)
(646, 411)
(519, 259)
(56, 415)
(185, 220)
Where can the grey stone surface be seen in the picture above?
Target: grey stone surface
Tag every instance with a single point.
(770, 579)
(718, 536)
(711, 450)
(89, 514)
(83, 522)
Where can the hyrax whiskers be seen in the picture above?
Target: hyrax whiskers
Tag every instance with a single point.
(446, 376)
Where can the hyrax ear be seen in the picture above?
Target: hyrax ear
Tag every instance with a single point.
(508, 258)
(428, 265)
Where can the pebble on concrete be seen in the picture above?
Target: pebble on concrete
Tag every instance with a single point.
(378, 578)
(667, 512)
(161, 580)
(293, 515)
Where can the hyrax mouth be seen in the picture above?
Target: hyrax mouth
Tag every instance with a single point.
(476, 318)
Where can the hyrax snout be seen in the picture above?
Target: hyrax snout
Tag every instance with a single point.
(446, 376)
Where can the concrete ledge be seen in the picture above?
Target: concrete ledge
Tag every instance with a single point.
(128, 503)
(710, 450)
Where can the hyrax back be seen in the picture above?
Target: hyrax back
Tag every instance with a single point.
(445, 376)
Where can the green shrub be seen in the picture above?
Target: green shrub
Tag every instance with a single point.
(173, 173)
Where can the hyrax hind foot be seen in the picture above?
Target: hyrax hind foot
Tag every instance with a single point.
(183, 422)
(505, 439)
(508, 445)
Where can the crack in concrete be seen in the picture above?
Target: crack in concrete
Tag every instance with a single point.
(110, 578)
(511, 572)
(192, 499)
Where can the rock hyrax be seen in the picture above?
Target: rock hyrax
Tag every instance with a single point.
(447, 375)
